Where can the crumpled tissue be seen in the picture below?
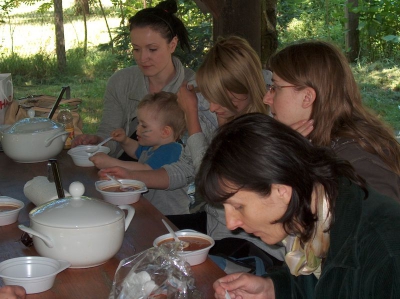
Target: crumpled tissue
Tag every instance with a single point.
(39, 190)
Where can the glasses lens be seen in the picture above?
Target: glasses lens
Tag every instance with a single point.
(270, 88)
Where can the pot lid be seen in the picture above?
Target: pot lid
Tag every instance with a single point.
(76, 211)
(33, 125)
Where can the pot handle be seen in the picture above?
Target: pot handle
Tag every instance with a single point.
(48, 141)
(131, 213)
(32, 232)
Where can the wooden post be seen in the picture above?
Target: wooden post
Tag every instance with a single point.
(242, 18)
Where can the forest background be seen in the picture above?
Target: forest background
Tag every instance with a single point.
(97, 44)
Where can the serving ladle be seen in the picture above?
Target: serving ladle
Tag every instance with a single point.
(97, 147)
(122, 187)
(183, 244)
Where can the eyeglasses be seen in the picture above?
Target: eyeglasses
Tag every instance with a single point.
(272, 88)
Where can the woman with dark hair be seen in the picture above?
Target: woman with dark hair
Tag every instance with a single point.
(275, 184)
(312, 80)
(155, 33)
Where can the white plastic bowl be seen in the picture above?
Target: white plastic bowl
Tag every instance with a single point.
(81, 157)
(192, 257)
(121, 198)
(35, 273)
(8, 217)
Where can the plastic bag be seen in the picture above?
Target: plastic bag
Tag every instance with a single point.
(156, 273)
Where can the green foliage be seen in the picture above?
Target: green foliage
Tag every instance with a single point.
(380, 88)
(310, 19)
(41, 68)
(379, 25)
(38, 67)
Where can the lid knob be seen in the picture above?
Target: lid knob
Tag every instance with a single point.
(76, 189)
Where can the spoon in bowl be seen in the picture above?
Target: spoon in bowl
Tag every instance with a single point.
(122, 187)
(97, 147)
(183, 244)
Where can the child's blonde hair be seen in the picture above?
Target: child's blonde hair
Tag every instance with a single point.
(165, 105)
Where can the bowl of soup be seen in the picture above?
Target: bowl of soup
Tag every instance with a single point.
(129, 193)
(9, 210)
(80, 155)
(197, 249)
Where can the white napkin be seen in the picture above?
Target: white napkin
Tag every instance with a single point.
(39, 190)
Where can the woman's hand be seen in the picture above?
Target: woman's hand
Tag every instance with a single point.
(102, 160)
(119, 135)
(188, 102)
(117, 172)
(187, 99)
(86, 139)
(12, 292)
(304, 127)
(244, 286)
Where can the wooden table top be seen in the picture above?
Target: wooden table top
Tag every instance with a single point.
(92, 282)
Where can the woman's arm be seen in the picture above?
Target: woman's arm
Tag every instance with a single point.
(187, 100)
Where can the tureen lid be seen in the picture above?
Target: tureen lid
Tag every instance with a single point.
(33, 125)
(76, 211)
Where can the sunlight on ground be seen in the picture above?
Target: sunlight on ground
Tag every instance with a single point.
(30, 39)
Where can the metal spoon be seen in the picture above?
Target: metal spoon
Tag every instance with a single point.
(183, 244)
(95, 149)
(121, 186)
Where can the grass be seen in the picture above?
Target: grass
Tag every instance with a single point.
(31, 60)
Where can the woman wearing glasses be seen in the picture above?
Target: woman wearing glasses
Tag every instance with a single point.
(313, 81)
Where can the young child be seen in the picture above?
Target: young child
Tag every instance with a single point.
(161, 123)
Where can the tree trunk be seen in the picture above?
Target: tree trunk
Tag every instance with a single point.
(269, 37)
(82, 7)
(242, 18)
(60, 40)
(121, 8)
(352, 39)
(255, 20)
(85, 42)
(108, 27)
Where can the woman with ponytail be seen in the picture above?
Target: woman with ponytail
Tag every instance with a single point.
(155, 33)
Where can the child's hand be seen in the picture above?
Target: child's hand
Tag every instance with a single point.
(102, 160)
(119, 135)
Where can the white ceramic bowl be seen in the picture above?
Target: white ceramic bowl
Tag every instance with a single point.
(8, 216)
(192, 257)
(121, 198)
(81, 157)
(35, 273)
